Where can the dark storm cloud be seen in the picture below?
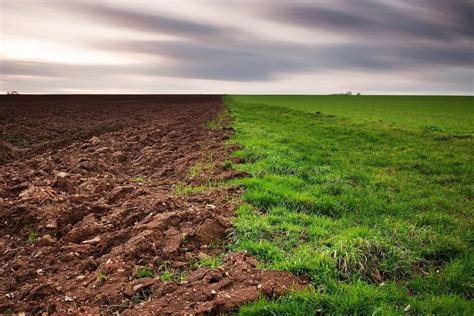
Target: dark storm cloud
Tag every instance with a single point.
(458, 14)
(434, 20)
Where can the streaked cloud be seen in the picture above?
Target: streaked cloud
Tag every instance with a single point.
(140, 21)
(196, 43)
(420, 20)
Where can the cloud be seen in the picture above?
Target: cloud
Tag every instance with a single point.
(250, 62)
(369, 38)
(257, 61)
(137, 20)
(432, 20)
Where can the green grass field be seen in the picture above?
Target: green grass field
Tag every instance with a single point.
(370, 197)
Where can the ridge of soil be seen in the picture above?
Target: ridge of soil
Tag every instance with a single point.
(77, 222)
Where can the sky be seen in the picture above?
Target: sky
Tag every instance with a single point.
(262, 47)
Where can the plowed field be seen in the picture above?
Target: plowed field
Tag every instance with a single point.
(92, 218)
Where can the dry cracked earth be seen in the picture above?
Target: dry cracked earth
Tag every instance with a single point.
(89, 198)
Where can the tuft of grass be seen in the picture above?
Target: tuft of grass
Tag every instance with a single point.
(371, 198)
(219, 122)
(185, 189)
(144, 272)
(141, 295)
(167, 275)
(201, 167)
(17, 141)
(196, 169)
(32, 237)
(210, 262)
(227, 164)
(139, 179)
(101, 276)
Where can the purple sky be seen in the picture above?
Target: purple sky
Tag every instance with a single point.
(376, 47)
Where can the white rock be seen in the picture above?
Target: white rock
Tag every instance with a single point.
(51, 225)
(62, 174)
(94, 240)
(94, 140)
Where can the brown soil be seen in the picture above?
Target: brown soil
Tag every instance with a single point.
(32, 124)
(80, 219)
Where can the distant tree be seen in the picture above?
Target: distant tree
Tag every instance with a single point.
(358, 93)
(348, 93)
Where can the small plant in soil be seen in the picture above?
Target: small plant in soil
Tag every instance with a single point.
(215, 244)
(139, 179)
(205, 164)
(185, 189)
(16, 140)
(144, 272)
(182, 277)
(167, 276)
(219, 122)
(211, 262)
(141, 295)
(32, 237)
(101, 276)
(196, 169)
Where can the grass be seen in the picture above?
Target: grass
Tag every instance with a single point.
(144, 272)
(370, 197)
(201, 167)
(446, 113)
(210, 262)
(16, 140)
(32, 237)
(142, 294)
(167, 276)
(101, 276)
(219, 122)
(139, 179)
(185, 189)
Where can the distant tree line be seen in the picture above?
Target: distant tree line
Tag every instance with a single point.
(347, 93)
